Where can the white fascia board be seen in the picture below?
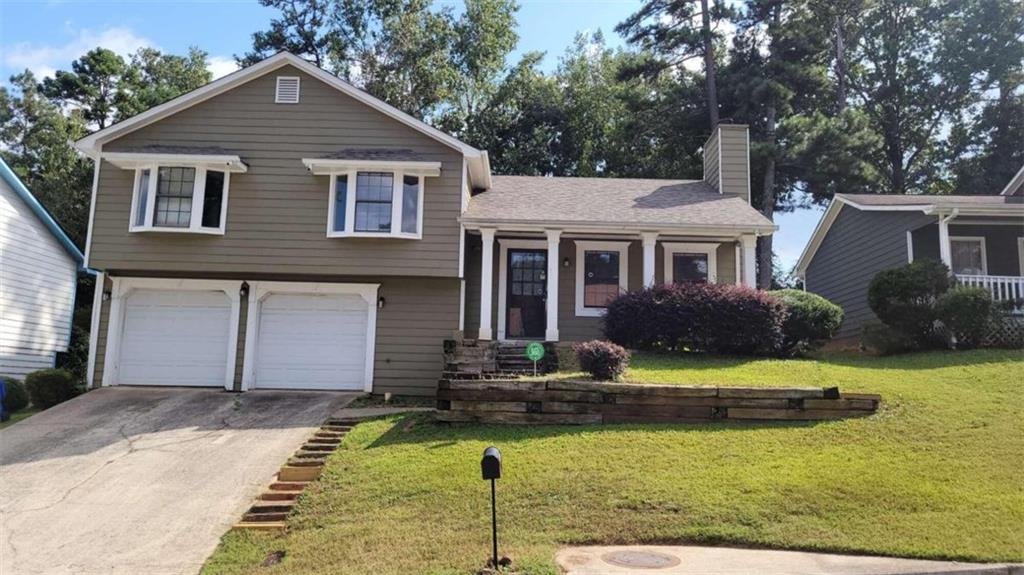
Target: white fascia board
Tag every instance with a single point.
(830, 215)
(133, 160)
(624, 227)
(1016, 181)
(326, 167)
(89, 144)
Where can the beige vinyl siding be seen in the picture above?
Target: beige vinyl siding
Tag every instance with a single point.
(277, 211)
(418, 315)
(570, 326)
(734, 164)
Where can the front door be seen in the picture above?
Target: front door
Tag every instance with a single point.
(527, 294)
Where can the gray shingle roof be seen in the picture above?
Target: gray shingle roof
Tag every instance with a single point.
(376, 154)
(621, 201)
(930, 200)
(192, 150)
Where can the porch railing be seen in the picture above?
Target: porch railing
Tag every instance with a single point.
(1002, 288)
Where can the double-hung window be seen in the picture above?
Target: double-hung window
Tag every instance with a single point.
(969, 256)
(178, 194)
(601, 275)
(376, 203)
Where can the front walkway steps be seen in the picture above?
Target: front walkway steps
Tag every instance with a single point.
(691, 560)
(272, 507)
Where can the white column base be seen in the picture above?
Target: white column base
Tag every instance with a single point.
(485, 334)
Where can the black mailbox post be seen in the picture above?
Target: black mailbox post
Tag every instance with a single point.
(490, 468)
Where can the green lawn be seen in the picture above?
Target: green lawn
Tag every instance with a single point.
(18, 416)
(936, 473)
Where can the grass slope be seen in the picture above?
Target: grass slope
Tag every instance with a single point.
(937, 474)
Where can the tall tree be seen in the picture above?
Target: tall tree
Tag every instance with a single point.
(92, 85)
(677, 31)
(153, 77)
(303, 28)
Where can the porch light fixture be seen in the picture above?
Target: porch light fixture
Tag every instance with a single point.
(381, 302)
(106, 295)
(565, 262)
(244, 289)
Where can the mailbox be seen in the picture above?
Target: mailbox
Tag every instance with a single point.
(490, 465)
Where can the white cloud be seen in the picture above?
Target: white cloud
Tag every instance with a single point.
(221, 66)
(45, 60)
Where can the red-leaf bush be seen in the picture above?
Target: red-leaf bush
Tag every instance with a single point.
(711, 318)
(603, 360)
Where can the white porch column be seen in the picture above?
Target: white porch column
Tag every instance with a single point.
(749, 243)
(486, 282)
(649, 241)
(945, 249)
(551, 334)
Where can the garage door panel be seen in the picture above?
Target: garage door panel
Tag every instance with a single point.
(312, 341)
(175, 338)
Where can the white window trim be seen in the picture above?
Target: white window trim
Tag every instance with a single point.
(672, 248)
(258, 291)
(503, 247)
(198, 197)
(984, 250)
(622, 248)
(123, 287)
(277, 89)
(1020, 253)
(397, 195)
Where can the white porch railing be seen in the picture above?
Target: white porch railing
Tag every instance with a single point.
(1002, 288)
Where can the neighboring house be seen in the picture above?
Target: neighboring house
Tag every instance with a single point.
(980, 238)
(39, 267)
(279, 228)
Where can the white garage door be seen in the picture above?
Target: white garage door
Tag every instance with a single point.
(311, 341)
(175, 338)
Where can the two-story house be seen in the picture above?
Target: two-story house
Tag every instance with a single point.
(279, 228)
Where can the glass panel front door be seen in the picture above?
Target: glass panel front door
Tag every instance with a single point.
(527, 294)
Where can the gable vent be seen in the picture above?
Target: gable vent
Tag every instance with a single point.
(287, 90)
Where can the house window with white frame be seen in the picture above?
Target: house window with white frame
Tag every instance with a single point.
(690, 263)
(380, 204)
(968, 255)
(601, 275)
(179, 198)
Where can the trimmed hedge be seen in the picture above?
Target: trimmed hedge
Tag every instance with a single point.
(904, 299)
(48, 387)
(603, 360)
(16, 397)
(711, 318)
(811, 323)
(966, 313)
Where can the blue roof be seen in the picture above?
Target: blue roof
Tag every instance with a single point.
(44, 216)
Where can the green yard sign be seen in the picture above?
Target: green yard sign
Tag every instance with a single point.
(534, 351)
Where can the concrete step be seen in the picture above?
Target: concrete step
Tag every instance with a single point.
(304, 453)
(337, 428)
(278, 506)
(262, 517)
(288, 485)
(280, 495)
(294, 473)
(310, 446)
(295, 462)
(260, 525)
(325, 439)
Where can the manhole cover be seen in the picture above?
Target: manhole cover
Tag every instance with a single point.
(640, 559)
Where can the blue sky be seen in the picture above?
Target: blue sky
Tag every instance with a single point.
(46, 35)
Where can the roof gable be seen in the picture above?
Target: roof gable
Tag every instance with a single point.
(40, 212)
(91, 144)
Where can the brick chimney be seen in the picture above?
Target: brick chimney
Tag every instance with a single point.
(727, 160)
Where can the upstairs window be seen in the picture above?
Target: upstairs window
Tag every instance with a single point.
(179, 199)
(376, 204)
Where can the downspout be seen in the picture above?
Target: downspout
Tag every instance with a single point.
(945, 249)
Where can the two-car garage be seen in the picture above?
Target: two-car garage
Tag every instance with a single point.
(297, 335)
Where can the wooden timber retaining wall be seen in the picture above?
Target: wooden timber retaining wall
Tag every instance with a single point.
(584, 402)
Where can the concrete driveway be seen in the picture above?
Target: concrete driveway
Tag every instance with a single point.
(142, 480)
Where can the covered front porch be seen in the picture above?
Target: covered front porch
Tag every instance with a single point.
(552, 284)
(981, 251)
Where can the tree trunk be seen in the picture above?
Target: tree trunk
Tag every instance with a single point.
(709, 64)
(764, 254)
(840, 43)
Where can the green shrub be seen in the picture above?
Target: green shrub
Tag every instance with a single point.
(603, 360)
(811, 323)
(881, 339)
(966, 313)
(904, 299)
(48, 387)
(16, 398)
